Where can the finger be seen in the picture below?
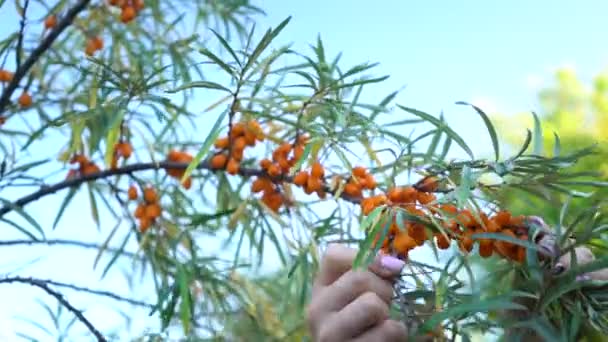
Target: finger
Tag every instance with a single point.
(337, 260)
(352, 285)
(355, 318)
(388, 330)
(386, 266)
(583, 256)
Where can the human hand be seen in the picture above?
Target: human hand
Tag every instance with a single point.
(349, 305)
(583, 256)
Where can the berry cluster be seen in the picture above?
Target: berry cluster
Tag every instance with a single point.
(129, 8)
(148, 210)
(122, 149)
(85, 166)
(231, 148)
(180, 157)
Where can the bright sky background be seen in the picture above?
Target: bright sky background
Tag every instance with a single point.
(495, 54)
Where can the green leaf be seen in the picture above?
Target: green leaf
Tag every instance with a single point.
(64, 204)
(263, 44)
(105, 244)
(538, 136)
(463, 191)
(556, 146)
(301, 161)
(207, 144)
(369, 221)
(183, 281)
(19, 228)
(215, 59)
(200, 84)
(525, 146)
(25, 215)
(226, 46)
(504, 303)
(489, 126)
(440, 125)
(542, 327)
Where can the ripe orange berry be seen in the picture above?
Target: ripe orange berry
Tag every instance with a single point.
(25, 100)
(240, 143)
(466, 243)
(2, 120)
(218, 161)
(144, 224)
(132, 192)
(428, 184)
(238, 129)
(89, 169)
(187, 183)
(138, 5)
(150, 195)
(152, 211)
(5, 75)
(222, 143)
(409, 195)
(97, 43)
(317, 170)
(274, 170)
(140, 211)
(486, 247)
(313, 184)
(443, 242)
(233, 166)
(403, 243)
(128, 14)
(265, 163)
(502, 218)
(425, 198)
(124, 149)
(370, 182)
(352, 190)
(359, 171)
(394, 194)
(79, 159)
(50, 21)
(300, 178)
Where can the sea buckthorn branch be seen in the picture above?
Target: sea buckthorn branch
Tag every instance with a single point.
(45, 286)
(44, 45)
(19, 49)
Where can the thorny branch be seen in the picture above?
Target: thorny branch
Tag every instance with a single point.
(47, 190)
(44, 285)
(45, 44)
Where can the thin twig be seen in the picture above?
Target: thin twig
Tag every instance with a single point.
(45, 44)
(44, 285)
(21, 34)
(64, 242)
(128, 169)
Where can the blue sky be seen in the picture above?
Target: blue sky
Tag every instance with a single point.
(495, 54)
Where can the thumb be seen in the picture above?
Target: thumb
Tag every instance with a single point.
(386, 266)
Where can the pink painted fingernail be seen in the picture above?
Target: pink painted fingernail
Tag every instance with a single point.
(391, 263)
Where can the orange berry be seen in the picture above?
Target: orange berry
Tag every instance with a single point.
(449, 209)
(317, 170)
(152, 211)
(403, 243)
(265, 163)
(520, 254)
(249, 138)
(239, 143)
(89, 169)
(140, 211)
(352, 190)
(187, 183)
(124, 149)
(128, 14)
(298, 152)
(150, 195)
(443, 242)
(466, 243)
(238, 129)
(25, 100)
(116, 3)
(261, 184)
(79, 159)
(138, 5)
(517, 220)
(425, 198)
(218, 161)
(90, 49)
(144, 224)
(313, 184)
(360, 171)
(394, 194)
(367, 206)
(132, 192)
(300, 178)
(502, 218)
(428, 184)
(5, 75)
(2, 120)
(222, 143)
(50, 21)
(237, 154)
(233, 166)
(409, 195)
(97, 43)
(486, 247)
(274, 170)
(370, 182)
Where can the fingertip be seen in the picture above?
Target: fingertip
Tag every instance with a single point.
(395, 330)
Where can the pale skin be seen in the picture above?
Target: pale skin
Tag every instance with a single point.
(353, 305)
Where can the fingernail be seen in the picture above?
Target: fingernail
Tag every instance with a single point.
(558, 268)
(583, 277)
(391, 263)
